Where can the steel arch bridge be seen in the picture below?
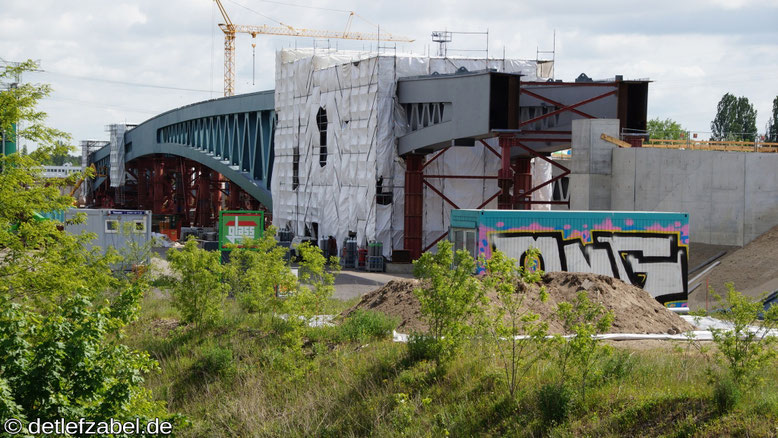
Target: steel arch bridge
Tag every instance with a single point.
(193, 160)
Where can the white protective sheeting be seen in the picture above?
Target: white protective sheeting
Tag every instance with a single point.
(117, 154)
(542, 171)
(357, 90)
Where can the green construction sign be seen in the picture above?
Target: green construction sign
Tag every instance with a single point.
(235, 226)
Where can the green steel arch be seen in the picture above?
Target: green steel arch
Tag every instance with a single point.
(231, 135)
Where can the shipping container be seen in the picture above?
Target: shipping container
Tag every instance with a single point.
(117, 229)
(647, 249)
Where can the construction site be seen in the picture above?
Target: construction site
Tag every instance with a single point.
(460, 245)
(378, 149)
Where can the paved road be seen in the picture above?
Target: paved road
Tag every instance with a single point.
(351, 283)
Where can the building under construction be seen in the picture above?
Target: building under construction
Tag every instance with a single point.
(376, 147)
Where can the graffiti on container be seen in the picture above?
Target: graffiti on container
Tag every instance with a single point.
(653, 257)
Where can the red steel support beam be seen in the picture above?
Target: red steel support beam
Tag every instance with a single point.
(203, 197)
(568, 108)
(483, 204)
(216, 195)
(435, 241)
(522, 183)
(186, 190)
(486, 145)
(435, 157)
(505, 174)
(441, 194)
(414, 204)
(460, 176)
(234, 199)
(158, 193)
(142, 166)
(565, 172)
(555, 103)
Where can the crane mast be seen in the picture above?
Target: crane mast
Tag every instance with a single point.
(229, 29)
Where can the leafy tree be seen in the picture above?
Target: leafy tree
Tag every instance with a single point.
(258, 274)
(517, 331)
(582, 320)
(61, 157)
(735, 119)
(199, 292)
(450, 296)
(62, 311)
(748, 344)
(301, 304)
(772, 123)
(666, 129)
(20, 104)
(316, 280)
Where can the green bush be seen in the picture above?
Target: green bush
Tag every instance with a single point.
(259, 275)
(450, 297)
(742, 349)
(518, 333)
(767, 406)
(578, 354)
(726, 394)
(553, 402)
(618, 366)
(214, 362)
(422, 347)
(363, 325)
(199, 294)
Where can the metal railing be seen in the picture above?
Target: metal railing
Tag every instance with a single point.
(692, 144)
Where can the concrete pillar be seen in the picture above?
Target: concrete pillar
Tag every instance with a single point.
(590, 180)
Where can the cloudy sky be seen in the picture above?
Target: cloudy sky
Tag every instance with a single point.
(125, 61)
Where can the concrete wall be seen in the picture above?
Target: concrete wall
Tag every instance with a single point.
(732, 197)
(590, 177)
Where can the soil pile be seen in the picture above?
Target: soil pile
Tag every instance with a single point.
(634, 309)
(751, 268)
(397, 300)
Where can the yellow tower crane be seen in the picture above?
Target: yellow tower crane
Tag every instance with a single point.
(231, 29)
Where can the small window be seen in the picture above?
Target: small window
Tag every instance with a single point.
(321, 122)
(139, 226)
(464, 239)
(382, 197)
(470, 242)
(111, 226)
(295, 168)
(459, 240)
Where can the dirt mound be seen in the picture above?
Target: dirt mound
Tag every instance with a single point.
(752, 268)
(395, 299)
(634, 309)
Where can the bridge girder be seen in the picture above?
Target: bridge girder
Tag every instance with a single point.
(232, 136)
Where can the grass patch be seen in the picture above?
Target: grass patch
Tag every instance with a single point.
(357, 382)
(364, 325)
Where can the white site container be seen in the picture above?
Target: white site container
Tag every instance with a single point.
(113, 228)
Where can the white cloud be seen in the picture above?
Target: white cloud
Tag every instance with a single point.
(695, 51)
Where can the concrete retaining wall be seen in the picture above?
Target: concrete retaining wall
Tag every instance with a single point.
(732, 197)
